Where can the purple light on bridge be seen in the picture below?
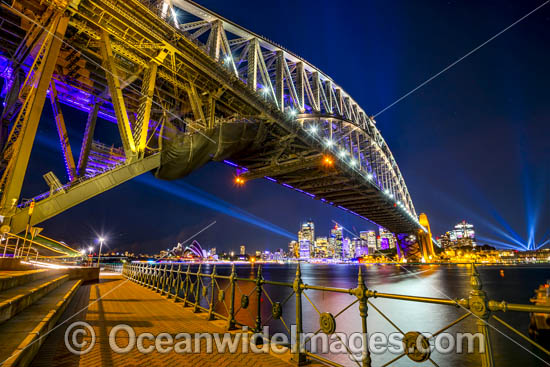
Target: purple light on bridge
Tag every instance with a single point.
(270, 179)
(230, 163)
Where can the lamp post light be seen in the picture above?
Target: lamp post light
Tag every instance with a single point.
(101, 240)
(91, 249)
(84, 257)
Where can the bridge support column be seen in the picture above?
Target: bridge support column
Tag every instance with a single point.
(300, 85)
(144, 112)
(252, 75)
(62, 132)
(20, 141)
(426, 235)
(279, 80)
(113, 80)
(88, 139)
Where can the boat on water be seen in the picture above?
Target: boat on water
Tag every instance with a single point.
(539, 327)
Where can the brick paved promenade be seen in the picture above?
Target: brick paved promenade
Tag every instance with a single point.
(117, 301)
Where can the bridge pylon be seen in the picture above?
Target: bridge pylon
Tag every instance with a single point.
(425, 238)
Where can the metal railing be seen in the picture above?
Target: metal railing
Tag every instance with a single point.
(208, 292)
(115, 268)
(21, 249)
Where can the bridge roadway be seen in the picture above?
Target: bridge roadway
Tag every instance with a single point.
(114, 301)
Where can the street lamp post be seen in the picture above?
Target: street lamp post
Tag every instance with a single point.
(91, 254)
(101, 240)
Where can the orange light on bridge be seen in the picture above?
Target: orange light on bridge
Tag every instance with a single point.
(239, 180)
(327, 160)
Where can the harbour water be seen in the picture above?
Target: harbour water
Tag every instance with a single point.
(514, 284)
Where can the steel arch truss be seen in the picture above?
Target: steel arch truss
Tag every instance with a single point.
(297, 87)
(159, 68)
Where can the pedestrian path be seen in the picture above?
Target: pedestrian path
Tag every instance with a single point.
(114, 301)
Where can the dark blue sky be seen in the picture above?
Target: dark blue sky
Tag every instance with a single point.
(472, 144)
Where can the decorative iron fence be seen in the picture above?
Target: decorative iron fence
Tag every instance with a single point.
(216, 294)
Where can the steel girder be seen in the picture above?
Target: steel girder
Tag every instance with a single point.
(301, 86)
(211, 70)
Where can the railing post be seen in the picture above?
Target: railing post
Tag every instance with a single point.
(158, 277)
(197, 291)
(231, 317)
(142, 274)
(298, 352)
(176, 283)
(163, 279)
(167, 281)
(478, 306)
(158, 268)
(361, 293)
(124, 269)
(186, 294)
(258, 323)
(212, 280)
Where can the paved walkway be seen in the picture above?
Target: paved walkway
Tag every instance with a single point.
(117, 301)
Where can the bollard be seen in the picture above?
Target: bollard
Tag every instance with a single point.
(231, 317)
(298, 352)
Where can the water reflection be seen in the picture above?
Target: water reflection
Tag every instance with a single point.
(447, 281)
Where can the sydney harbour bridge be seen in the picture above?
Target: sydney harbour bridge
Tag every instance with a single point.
(184, 86)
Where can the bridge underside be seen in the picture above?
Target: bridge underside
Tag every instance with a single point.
(264, 151)
(181, 95)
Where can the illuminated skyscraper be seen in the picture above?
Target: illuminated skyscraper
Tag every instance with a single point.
(307, 232)
(463, 230)
(321, 247)
(243, 250)
(387, 239)
(335, 242)
(305, 249)
(293, 249)
(347, 251)
(463, 234)
(370, 237)
(359, 246)
(306, 238)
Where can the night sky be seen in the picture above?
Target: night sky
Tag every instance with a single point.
(472, 144)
